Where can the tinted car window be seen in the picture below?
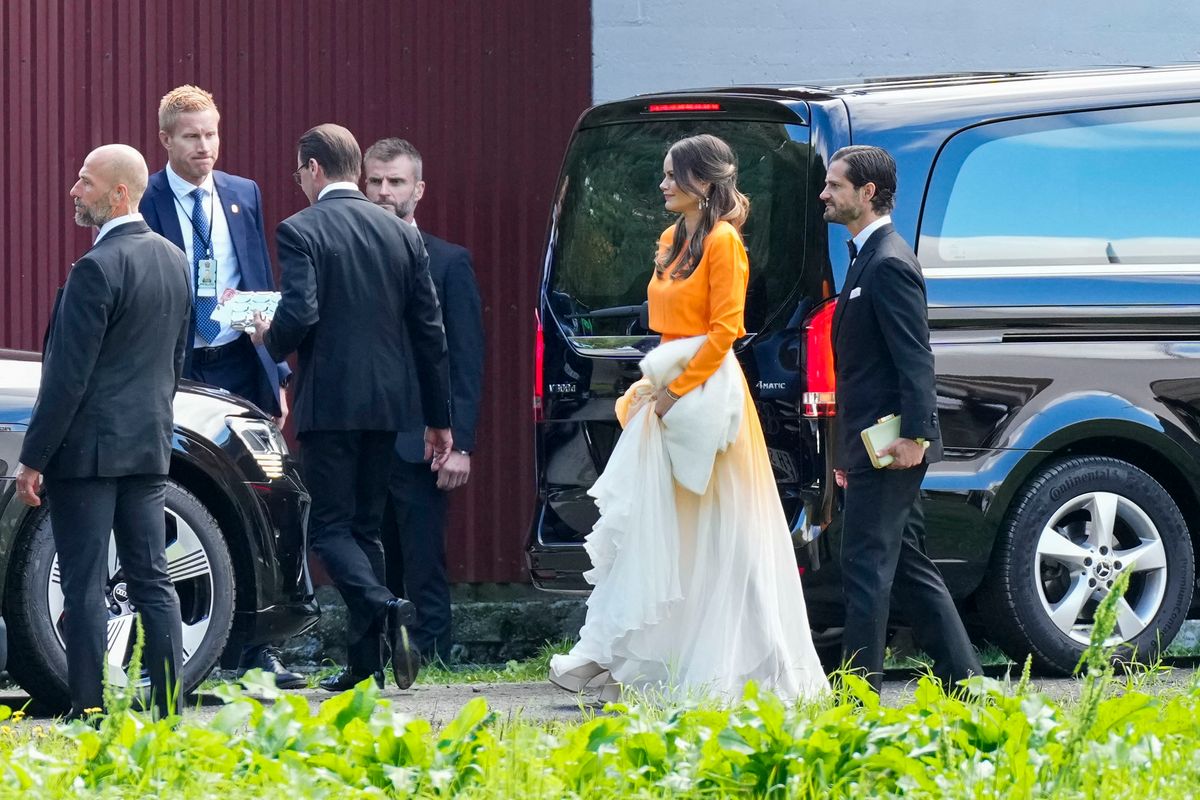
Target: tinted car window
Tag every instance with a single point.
(611, 214)
(1086, 189)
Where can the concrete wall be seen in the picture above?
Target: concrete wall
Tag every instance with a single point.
(648, 45)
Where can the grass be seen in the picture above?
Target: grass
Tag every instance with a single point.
(990, 741)
(526, 671)
(989, 656)
(1126, 737)
(438, 673)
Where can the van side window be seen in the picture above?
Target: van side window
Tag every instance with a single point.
(1082, 192)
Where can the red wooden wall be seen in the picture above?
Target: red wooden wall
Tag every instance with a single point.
(488, 91)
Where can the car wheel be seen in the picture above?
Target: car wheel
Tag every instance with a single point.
(198, 562)
(1071, 532)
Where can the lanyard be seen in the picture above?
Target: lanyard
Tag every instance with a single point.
(206, 241)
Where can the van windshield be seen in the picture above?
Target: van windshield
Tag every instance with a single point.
(610, 215)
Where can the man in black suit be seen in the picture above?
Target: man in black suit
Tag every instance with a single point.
(216, 219)
(100, 432)
(354, 278)
(884, 365)
(414, 536)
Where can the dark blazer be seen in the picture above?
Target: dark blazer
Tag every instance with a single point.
(355, 277)
(881, 350)
(454, 280)
(113, 360)
(249, 242)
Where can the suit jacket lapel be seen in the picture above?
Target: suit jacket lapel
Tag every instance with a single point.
(164, 205)
(854, 276)
(233, 220)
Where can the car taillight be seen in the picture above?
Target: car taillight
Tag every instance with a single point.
(820, 396)
(660, 108)
(539, 354)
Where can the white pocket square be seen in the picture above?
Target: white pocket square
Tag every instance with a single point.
(855, 292)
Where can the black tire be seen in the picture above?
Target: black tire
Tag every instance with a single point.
(37, 658)
(1026, 582)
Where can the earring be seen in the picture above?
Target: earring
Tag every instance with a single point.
(704, 203)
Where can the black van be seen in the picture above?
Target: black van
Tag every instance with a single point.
(1054, 214)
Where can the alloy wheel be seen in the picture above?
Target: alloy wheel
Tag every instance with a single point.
(191, 572)
(1086, 544)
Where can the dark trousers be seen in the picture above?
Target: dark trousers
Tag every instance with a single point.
(83, 512)
(346, 473)
(237, 368)
(883, 560)
(415, 546)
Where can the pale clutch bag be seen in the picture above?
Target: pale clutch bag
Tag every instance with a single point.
(879, 436)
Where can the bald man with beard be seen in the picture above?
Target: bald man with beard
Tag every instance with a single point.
(99, 439)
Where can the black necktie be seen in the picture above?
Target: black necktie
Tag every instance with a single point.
(853, 248)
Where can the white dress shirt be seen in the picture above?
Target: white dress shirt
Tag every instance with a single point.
(860, 241)
(229, 274)
(114, 222)
(330, 187)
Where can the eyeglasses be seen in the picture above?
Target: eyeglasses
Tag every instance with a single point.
(296, 175)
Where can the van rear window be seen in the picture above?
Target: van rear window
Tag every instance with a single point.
(1068, 192)
(610, 213)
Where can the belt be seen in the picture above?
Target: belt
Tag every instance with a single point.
(207, 355)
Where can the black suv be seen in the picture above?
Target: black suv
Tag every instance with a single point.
(1054, 217)
(237, 516)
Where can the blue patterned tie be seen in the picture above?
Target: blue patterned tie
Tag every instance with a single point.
(202, 307)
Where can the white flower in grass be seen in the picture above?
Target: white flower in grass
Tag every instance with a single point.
(404, 779)
(677, 782)
(441, 778)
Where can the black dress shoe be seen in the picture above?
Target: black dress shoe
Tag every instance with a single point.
(347, 679)
(267, 659)
(93, 717)
(406, 661)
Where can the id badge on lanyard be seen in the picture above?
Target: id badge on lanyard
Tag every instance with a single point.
(206, 268)
(206, 277)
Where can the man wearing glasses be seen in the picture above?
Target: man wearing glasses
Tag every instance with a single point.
(216, 219)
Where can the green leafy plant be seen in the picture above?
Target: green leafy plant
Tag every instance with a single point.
(988, 739)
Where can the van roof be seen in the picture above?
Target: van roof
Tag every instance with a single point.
(939, 102)
(1092, 80)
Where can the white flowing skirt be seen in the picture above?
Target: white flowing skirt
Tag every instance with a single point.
(695, 592)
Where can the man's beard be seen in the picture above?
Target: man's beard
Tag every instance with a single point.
(93, 217)
(840, 216)
(403, 210)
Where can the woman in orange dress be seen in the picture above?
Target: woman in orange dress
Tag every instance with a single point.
(695, 586)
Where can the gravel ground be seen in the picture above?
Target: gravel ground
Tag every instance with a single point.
(543, 702)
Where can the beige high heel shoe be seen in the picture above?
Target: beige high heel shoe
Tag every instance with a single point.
(610, 690)
(577, 678)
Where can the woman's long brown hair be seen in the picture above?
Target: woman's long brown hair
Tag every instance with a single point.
(695, 160)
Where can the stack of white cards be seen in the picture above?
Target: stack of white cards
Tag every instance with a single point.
(236, 309)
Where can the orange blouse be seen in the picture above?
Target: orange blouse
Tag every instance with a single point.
(709, 302)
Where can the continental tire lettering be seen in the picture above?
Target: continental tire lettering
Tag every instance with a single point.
(1075, 480)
